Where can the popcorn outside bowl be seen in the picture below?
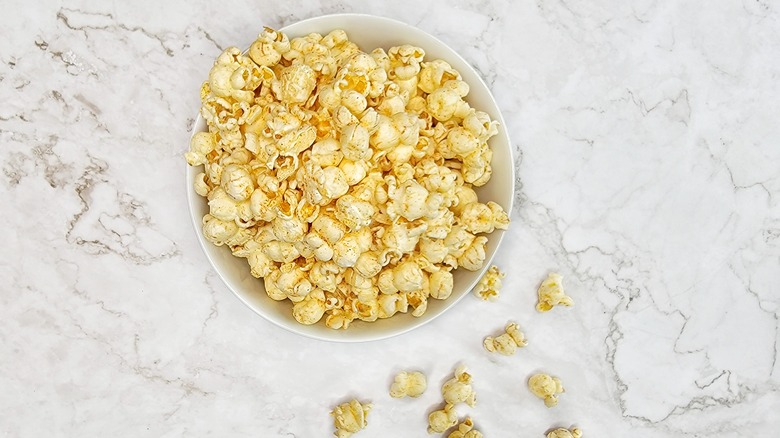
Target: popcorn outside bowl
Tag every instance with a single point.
(370, 32)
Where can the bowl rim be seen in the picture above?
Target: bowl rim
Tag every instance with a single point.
(450, 302)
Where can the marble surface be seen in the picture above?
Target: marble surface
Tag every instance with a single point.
(648, 150)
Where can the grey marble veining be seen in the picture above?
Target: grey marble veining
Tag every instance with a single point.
(648, 162)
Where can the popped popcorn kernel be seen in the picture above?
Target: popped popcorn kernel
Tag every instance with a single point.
(459, 389)
(442, 419)
(465, 430)
(546, 387)
(551, 293)
(411, 384)
(489, 286)
(350, 417)
(508, 342)
(565, 433)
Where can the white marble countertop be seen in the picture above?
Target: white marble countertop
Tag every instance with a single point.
(649, 156)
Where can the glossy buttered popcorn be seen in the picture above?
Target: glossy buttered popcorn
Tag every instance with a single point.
(345, 179)
(349, 418)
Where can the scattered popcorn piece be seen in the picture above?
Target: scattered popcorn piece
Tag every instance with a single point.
(546, 387)
(408, 384)
(458, 389)
(489, 285)
(443, 419)
(350, 417)
(551, 293)
(507, 343)
(465, 430)
(345, 179)
(565, 433)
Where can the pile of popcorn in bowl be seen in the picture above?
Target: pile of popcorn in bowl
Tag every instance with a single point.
(345, 178)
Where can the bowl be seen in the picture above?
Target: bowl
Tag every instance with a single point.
(369, 32)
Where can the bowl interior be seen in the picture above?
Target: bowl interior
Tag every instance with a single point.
(370, 32)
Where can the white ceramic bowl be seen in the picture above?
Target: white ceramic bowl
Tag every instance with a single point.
(369, 32)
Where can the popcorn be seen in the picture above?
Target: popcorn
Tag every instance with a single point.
(458, 240)
(476, 167)
(222, 206)
(419, 302)
(218, 231)
(441, 283)
(280, 252)
(408, 384)
(473, 256)
(329, 228)
(390, 304)
(407, 277)
(293, 282)
(354, 213)
(319, 247)
(434, 74)
(433, 249)
(408, 201)
(271, 289)
(289, 230)
(447, 102)
(354, 171)
(220, 83)
(325, 275)
(461, 141)
(311, 308)
(269, 47)
(339, 318)
(483, 218)
(350, 417)
(327, 152)
(465, 430)
(480, 125)
(546, 387)
(201, 144)
(354, 142)
(237, 182)
(368, 264)
(295, 84)
(202, 187)
(565, 433)
(458, 389)
(506, 343)
(551, 293)
(489, 286)
(346, 251)
(260, 265)
(345, 179)
(443, 419)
